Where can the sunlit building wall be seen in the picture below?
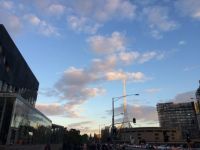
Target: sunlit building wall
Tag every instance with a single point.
(179, 115)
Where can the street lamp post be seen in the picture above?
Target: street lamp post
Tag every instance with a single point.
(114, 99)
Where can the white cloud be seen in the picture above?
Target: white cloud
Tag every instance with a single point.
(137, 57)
(104, 10)
(43, 27)
(158, 18)
(56, 9)
(103, 65)
(56, 109)
(145, 57)
(129, 57)
(53, 109)
(106, 45)
(189, 8)
(90, 15)
(34, 20)
(181, 42)
(120, 75)
(77, 85)
(156, 34)
(12, 22)
(6, 4)
(82, 24)
(111, 8)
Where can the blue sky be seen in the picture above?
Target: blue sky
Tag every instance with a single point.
(81, 50)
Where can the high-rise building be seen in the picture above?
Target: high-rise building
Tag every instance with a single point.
(179, 115)
(20, 121)
(15, 74)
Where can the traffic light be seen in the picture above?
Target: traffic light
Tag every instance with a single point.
(134, 120)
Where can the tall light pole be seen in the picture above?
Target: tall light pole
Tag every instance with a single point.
(114, 99)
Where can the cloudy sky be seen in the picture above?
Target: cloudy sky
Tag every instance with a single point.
(81, 50)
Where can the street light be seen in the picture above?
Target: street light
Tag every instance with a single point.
(114, 99)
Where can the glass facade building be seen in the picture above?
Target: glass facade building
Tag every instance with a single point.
(15, 74)
(179, 115)
(20, 123)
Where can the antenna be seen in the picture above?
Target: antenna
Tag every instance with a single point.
(124, 94)
(126, 123)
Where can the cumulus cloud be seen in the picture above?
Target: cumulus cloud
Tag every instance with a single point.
(116, 44)
(56, 9)
(77, 85)
(156, 34)
(105, 9)
(11, 22)
(158, 18)
(111, 8)
(6, 4)
(56, 109)
(129, 57)
(189, 8)
(106, 45)
(83, 24)
(131, 76)
(89, 15)
(43, 27)
(52, 109)
(150, 55)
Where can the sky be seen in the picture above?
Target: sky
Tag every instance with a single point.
(81, 51)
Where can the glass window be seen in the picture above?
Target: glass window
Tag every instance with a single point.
(30, 125)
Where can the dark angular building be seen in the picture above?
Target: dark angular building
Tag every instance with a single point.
(15, 74)
(20, 121)
(179, 115)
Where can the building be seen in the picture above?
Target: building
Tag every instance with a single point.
(20, 121)
(179, 115)
(105, 134)
(15, 74)
(150, 135)
(197, 106)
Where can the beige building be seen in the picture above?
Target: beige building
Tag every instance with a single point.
(150, 135)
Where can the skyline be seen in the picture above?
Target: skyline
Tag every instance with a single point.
(80, 52)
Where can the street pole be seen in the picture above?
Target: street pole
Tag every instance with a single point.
(113, 111)
(113, 116)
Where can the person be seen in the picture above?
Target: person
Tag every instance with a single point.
(47, 147)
